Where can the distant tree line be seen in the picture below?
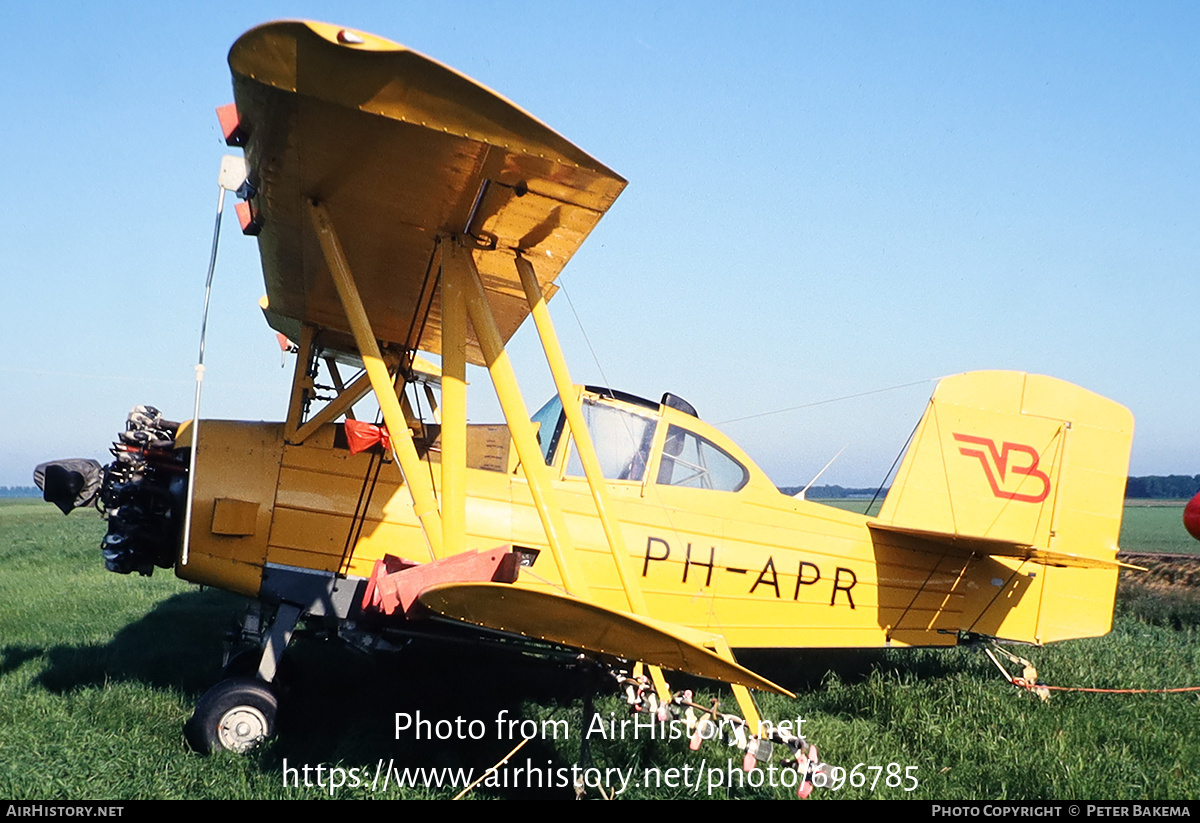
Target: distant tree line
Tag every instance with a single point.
(1157, 487)
(1153, 487)
(20, 491)
(831, 492)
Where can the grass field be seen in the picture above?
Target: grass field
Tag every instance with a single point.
(99, 672)
(1156, 526)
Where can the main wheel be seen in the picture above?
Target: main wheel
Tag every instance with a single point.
(235, 715)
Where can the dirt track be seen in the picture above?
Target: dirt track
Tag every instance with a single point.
(1164, 571)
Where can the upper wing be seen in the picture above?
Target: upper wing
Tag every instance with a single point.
(399, 149)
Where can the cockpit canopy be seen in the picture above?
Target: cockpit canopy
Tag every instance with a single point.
(637, 440)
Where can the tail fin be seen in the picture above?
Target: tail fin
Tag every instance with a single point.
(1022, 465)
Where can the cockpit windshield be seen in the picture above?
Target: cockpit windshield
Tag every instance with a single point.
(622, 440)
(622, 435)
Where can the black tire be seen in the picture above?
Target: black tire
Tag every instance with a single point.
(235, 716)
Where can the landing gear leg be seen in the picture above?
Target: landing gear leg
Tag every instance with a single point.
(277, 640)
(239, 712)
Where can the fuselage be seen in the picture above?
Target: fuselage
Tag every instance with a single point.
(711, 542)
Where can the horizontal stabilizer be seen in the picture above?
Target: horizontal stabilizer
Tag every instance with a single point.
(966, 545)
(561, 619)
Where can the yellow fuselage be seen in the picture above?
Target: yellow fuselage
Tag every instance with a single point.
(757, 566)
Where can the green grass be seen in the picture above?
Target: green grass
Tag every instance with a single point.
(1156, 526)
(98, 673)
(858, 505)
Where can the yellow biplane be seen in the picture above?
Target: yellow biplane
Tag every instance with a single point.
(400, 209)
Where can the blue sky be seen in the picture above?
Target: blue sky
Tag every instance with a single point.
(824, 200)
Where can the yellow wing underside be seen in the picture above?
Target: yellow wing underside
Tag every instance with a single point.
(400, 150)
(562, 619)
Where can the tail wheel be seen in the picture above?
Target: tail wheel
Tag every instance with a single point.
(235, 715)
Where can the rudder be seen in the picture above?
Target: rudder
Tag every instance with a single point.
(1032, 461)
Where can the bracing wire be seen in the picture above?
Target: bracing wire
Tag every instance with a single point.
(579, 322)
(895, 462)
(830, 400)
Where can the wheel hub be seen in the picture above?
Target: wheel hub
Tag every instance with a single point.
(242, 728)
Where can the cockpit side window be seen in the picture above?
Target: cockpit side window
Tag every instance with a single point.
(691, 461)
(622, 440)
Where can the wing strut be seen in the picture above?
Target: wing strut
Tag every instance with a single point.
(419, 486)
(295, 428)
(596, 483)
(454, 399)
(569, 398)
(458, 263)
(579, 431)
(464, 297)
